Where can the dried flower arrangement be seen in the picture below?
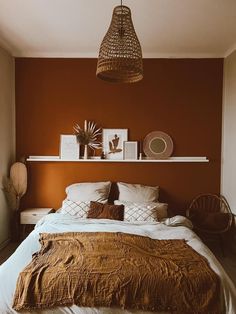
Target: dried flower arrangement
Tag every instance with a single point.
(88, 136)
(14, 188)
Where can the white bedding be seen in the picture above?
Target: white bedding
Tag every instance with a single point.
(173, 228)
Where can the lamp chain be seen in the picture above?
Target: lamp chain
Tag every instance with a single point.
(121, 28)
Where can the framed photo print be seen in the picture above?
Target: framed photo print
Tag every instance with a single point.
(130, 150)
(69, 147)
(113, 142)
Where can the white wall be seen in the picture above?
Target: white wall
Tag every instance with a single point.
(228, 169)
(7, 133)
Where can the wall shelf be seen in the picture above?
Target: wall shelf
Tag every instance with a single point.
(94, 159)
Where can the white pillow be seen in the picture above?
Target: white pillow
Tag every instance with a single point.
(138, 192)
(86, 191)
(143, 211)
(79, 209)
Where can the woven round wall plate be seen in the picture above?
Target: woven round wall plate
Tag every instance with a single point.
(158, 145)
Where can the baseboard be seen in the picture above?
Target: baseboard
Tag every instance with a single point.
(4, 244)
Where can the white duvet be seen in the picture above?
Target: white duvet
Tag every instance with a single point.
(172, 228)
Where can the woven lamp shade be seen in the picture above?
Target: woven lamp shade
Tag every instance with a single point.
(120, 55)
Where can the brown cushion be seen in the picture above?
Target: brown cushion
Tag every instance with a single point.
(212, 221)
(105, 211)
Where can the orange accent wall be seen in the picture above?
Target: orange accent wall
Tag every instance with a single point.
(182, 97)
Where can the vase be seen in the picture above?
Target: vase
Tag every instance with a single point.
(85, 151)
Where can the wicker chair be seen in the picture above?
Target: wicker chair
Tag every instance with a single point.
(211, 217)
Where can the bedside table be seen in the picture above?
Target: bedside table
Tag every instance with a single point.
(31, 216)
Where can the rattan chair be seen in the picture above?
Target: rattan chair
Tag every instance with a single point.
(211, 217)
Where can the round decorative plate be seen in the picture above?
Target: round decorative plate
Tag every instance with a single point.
(158, 145)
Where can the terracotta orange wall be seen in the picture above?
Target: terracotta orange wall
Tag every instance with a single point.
(182, 97)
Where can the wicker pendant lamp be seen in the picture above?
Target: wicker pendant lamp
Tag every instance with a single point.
(120, 55)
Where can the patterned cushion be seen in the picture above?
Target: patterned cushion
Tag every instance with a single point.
(78, 209)
(143, 211)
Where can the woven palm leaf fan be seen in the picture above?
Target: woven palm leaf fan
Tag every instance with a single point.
(15, 187)
(18, 178)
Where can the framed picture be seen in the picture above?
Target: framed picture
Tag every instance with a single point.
(130, 150)
(69, 147)
(113, 140)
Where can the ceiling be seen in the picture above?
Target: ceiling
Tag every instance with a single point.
(75, 28)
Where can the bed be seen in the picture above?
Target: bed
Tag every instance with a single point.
(171, 228)
(137, 224)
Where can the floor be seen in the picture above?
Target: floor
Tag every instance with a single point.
(229, 264)
(8, 251)
(228, 261)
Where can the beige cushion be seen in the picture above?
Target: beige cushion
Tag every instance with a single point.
(138, 192)
(86, 191)
(211, 221)
(143, 211)
(79, 209)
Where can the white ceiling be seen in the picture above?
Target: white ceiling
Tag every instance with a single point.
(75, 28)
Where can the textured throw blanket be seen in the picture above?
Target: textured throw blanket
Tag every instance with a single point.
(118, 270)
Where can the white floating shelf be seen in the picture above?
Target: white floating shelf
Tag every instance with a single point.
(171, 159)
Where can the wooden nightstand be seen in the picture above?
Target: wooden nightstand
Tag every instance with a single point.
(31, 216)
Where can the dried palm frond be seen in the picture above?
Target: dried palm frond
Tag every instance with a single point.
(15, 186)
(88, 136)
(18, 176)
